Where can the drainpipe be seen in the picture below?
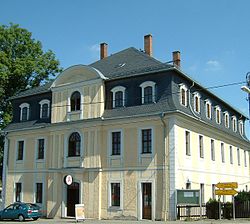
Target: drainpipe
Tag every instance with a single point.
(164, 174)
(5, 168)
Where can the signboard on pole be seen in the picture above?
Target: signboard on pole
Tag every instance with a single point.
(188, 197)
(227, 185)
(226, 192)
(80, 213)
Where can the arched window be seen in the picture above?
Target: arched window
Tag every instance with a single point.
(119, 99)
(148, 92)
(197, 107)
(218, 114)
(208, 109)
(75, 101)
(226, 119)
(183, 95)
(118, 96)
(234, 123)
(24, 115)
(74, 144)
(44, 108)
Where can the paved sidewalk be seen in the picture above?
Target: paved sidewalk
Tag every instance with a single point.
(62, 221)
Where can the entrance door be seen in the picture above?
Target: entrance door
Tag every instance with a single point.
(72, 198)
(146, 200)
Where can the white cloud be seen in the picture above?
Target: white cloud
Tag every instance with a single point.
(213, 65)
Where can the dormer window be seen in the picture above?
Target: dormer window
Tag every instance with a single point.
(234, 123)
(183, 95)
(75, 101)
(241, 127)
(24, 113)
(218, 114)
(208, 109)
(197, 107)
(226, 119)
(118, 96)
(148, 92)
(44, 108)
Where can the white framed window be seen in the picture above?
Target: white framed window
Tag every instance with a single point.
(222, 153)
(212, 150)
(245, 157)
(241, 127)
(40, 148)
(148, 92)
(39, 193)
(208, 109)
(197, 103)
(183, 95)
(118, 96)
(201, 146)
(226, 119)
(20, 150)
(44, 108)
(187, 142)
(24, 112)
(145, 142)
(115, 142)
(218, 114)
(115, 194)
(234, 123)
(213, 191)
(238, 156)
(202, 189)
(18, 192)
(231, 154)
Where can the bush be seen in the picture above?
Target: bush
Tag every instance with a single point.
(212, 209)
(242, 196)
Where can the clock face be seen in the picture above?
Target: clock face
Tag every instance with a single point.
(68, 179)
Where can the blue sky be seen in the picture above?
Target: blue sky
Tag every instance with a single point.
(212, 36)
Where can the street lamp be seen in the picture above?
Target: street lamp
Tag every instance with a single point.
(247, 90)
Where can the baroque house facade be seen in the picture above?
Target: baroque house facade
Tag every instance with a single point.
(130, 130)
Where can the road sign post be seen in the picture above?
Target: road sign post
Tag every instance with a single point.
(227, 188)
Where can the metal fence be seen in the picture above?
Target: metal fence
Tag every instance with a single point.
(190, 211)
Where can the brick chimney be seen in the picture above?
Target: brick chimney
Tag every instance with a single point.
(177, 58)
(103, 50)
(148, 48)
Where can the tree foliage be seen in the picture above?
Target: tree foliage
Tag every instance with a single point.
(23, 64)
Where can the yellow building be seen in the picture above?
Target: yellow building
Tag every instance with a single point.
(120, 136)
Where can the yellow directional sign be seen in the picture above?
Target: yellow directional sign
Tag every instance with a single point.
(226, 192)
(227, 185)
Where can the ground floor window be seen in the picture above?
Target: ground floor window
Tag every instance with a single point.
(39, 193)
(18, 191)
(115, 194)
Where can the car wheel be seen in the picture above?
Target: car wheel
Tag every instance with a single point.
(35, 218)
(21, 218)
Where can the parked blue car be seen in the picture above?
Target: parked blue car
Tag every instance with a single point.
(21, 211)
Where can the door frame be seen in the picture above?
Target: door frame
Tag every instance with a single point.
(140, 209)
(64, 197)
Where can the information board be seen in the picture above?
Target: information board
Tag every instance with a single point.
(188, 197)
(79, 210)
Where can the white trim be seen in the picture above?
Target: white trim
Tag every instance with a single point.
(114, 91)
(24, 145)
(22, 190)
(22, 106)
(208, 102)
(183, 87)
(226, 119)
(139, 206)
(234, 123)
(36, 149)
(66, 146)
(218, 110)
(110, 156)
(196, 94)
(42, 102)
(110, 207)
(34, 192)
(241, 127)
(139, 140)
(69, 112)
(148, 84)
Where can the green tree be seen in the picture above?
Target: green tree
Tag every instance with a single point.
(23, 64)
